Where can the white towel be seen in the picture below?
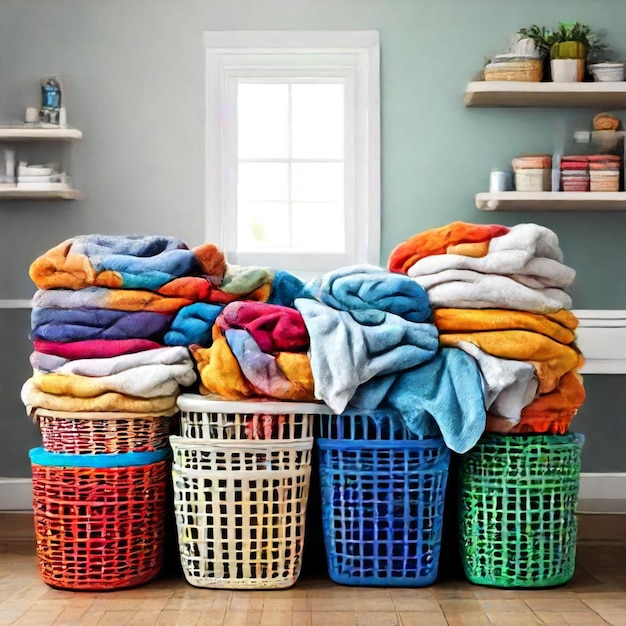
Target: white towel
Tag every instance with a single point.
(544, 271)
(465, 289)
(114, 365)
(508, 385)
(538, 240)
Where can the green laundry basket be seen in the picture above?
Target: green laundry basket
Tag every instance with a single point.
(518, 497)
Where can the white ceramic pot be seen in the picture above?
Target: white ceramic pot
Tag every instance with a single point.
(607, 72)
(567, 70)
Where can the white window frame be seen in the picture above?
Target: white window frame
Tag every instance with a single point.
(351, 56)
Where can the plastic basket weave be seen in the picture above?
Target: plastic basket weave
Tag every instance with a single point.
(203, 418)
(100, 519)
(240, 511)
(517, 509)
(382, 500)
(102, 433)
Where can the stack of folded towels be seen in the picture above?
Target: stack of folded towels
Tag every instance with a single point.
(99, 319)
(500, 295)
(114, 317)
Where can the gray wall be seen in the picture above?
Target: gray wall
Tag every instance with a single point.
(134, 81)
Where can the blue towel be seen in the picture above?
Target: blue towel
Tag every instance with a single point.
(66, 325)
(193, 325)
(347, 350)
(440, 397)
(285, 289)
(143, 262)
(366, 287)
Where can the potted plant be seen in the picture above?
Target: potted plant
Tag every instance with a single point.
(567, 47)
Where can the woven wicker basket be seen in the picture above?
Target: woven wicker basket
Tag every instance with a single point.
(102, 433)
(604, 180)
(526, 71)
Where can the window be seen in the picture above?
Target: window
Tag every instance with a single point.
(293, 148)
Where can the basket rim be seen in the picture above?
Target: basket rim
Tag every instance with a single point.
(208, 445)
(95, 415)
(45, 458)
(217, 404)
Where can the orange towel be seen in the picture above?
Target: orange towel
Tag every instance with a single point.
(219, 370)
(439, 240)
(549, 413)
(559, 326)
(221, 374)
(550, 359)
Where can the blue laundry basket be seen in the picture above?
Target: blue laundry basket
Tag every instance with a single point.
(383, 494)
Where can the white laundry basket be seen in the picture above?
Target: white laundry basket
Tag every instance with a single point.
(204, 418)
(241, 491)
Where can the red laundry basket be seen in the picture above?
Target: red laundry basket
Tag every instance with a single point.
(99, 519)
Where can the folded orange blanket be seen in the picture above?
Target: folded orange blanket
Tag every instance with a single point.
(559, 326)
(439, 240)
(550, 359)
(549, 413)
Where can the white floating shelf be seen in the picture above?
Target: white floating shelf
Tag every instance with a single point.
(44, 194)
(548, 94)
(552, 201)
(36, 133)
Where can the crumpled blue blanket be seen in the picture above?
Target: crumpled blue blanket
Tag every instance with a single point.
(367, 287)
(442, 396)
(371, 347)
(193, 324)
(349, 348)
(66, 325)
(285, 289)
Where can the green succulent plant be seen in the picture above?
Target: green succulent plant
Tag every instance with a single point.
(571, 40)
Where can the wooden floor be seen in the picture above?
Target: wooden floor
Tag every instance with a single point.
(596, 595)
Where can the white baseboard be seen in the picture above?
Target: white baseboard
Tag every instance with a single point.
(598, 493)
(601, 337)
(602, 486)
(16, 494)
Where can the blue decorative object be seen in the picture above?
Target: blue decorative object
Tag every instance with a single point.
(50, 101)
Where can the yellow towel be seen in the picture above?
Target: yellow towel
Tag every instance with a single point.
(110, 401)
(559, 326)
(550, 359)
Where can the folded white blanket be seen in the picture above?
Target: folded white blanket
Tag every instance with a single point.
(114, 365)
(545, 272)
(508, 385)
(538, 240)
(144, 381)
(466, 289)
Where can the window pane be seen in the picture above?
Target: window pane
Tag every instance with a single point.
(318, 227)
(262, 226)
(317, 121)
(317, 181)
(263, 120)
(263, 182)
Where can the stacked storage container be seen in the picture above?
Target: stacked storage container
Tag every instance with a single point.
(241, 477)
(100, 492)
(383, 494)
